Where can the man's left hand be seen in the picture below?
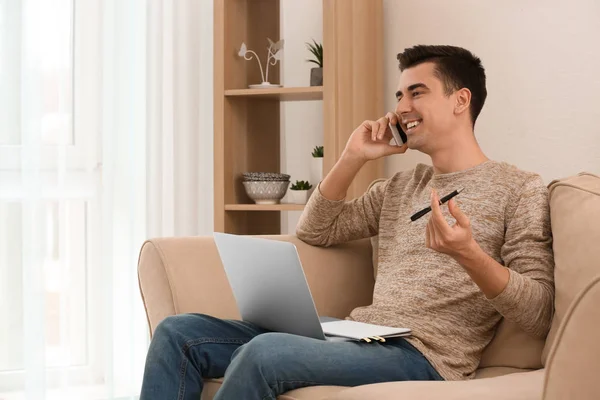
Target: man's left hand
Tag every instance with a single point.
(457, 240)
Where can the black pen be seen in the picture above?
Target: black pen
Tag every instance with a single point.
(444, 199)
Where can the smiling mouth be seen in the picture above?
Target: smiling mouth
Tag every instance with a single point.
(412, 125)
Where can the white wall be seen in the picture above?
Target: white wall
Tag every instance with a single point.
(301, 121)
(543, 67)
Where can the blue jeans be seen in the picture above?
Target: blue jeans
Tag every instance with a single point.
(258, 364)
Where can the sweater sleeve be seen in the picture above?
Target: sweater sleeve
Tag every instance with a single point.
(326, 222)
(528, 298)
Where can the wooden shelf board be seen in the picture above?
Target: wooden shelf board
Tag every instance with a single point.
(285, 93)
(264, 207)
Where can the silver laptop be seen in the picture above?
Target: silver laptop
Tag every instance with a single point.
(269, 285)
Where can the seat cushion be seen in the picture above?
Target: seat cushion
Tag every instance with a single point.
(512, 347)
(492, 372)
(520, 386)
(575, 212)
(317, 392)
(310, 393)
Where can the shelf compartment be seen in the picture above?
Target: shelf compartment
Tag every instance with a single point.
(283, 94)
(264, 207)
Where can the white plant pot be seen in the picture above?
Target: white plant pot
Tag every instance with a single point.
(298, 196)
(316, 170)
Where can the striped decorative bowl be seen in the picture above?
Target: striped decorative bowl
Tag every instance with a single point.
(266, 192)
(265, 177)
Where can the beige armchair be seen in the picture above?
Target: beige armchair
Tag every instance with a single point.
(180, 275)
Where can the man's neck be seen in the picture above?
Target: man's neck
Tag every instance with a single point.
(462, 155)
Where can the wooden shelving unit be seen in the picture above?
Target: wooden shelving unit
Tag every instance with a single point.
(246, 121)
(264, 207)
(283, 94)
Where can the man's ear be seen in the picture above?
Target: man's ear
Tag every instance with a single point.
(463, 100)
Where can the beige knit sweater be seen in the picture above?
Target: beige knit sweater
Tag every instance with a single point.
(429, 292)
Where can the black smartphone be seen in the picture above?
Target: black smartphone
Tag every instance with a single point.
(398, 134)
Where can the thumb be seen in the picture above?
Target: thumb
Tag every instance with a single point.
(458, 215)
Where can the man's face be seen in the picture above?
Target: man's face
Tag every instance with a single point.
(426, 113)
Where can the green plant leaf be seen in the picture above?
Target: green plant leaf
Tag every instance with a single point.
(314, 52)
(317, 51)
(301, 185)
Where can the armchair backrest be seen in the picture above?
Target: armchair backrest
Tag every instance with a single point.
(575, 218)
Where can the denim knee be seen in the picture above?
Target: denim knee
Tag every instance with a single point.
(174, 329)
(169, 327)
(265, 349)
(166, 335)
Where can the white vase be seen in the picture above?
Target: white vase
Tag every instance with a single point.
(316, 170)
(298, 196)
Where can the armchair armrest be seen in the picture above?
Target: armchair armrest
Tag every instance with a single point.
(184, 274)
(574, 361)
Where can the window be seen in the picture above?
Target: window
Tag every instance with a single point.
(49, 169)
(37, 73)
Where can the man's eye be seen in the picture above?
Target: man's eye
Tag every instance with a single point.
(416, 94)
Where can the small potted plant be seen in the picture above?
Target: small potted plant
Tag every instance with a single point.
(299, 192)
(316, 165)
(316, 74)
(317, 152)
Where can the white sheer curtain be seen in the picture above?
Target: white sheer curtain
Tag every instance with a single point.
(180, 90)
(105, 140)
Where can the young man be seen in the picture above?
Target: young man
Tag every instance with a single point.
(449, 276)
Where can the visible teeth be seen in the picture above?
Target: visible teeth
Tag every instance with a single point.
(412, 124)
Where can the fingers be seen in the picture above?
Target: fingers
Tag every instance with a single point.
(384, 130)
(438, 218)
(431, 234)
(373, 127)
(435, 205)
(460, 217)
(392, 118)
(380, 129)
(377, 129)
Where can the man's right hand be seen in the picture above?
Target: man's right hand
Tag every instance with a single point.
(371, 140)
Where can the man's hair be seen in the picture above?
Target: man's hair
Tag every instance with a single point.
(456, 67)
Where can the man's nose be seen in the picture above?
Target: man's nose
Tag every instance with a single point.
(403, 106)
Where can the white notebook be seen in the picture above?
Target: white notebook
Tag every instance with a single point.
(359, 330)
